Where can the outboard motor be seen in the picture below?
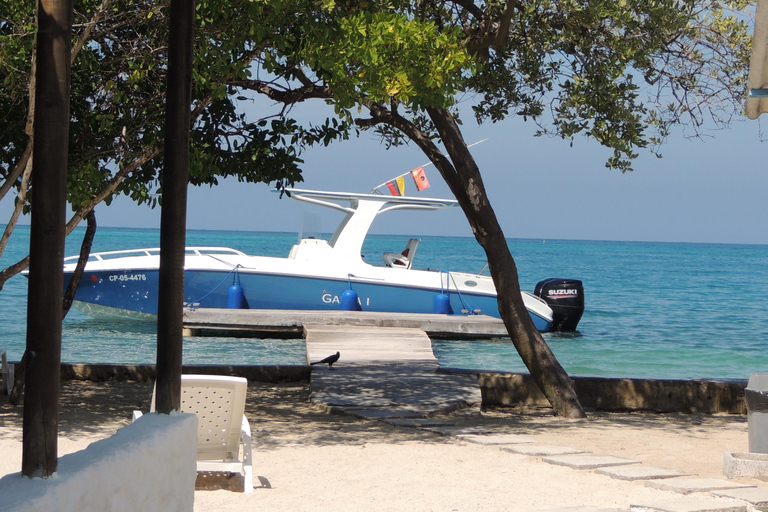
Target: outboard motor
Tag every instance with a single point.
(566, 298)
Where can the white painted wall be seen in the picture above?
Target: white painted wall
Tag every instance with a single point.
(147, 465)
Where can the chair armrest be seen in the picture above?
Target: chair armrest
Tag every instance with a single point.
(245, 439)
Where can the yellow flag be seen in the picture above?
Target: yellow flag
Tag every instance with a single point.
(400, 185)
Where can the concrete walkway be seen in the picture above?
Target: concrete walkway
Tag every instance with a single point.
(391, 374)
(383, 372)
(687, 493)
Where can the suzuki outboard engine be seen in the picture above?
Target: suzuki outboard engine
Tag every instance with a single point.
(566, 298)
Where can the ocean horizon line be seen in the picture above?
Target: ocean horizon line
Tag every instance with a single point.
(544, 240)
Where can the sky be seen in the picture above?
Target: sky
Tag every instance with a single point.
(711, 190)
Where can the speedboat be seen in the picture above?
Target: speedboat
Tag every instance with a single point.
(317, 274)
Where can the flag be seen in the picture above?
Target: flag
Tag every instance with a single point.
(397, 186)
(420, 178)
(401, 184)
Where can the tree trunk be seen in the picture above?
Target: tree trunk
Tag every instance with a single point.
(85, 252)
(49, 176)
(467, 186)
(173, 218)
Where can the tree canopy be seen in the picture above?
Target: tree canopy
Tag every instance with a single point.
(118, 102)
(623, 73)
(620, 72)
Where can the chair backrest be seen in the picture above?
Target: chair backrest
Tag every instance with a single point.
(410, 249)
(219, 403)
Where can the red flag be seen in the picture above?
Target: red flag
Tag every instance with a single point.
(420, 178)
(397, 186)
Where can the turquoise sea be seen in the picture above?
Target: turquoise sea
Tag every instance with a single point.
(657, 310)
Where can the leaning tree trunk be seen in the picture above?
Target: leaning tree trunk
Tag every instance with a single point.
(69, 296)
(85, 253)
(467, 185)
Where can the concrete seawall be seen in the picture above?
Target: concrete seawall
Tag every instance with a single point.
(617, 394)
(147, 373)
(498, 389)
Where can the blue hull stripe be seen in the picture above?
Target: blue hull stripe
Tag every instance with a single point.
(136, 290)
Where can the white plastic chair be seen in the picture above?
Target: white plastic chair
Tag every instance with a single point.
(223, 432)
(7, 373)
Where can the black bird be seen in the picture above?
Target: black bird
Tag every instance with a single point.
(330, 360)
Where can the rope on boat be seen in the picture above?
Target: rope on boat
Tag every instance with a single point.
(466, 308)
(234, 269)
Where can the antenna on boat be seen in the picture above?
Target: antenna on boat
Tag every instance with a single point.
(397, 184)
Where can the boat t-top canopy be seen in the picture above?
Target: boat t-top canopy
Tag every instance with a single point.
(323, 198)
(360, 211)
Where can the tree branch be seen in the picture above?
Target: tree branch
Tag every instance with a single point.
(491, 32)
(288, 96)
(86, 34)
(21, 201)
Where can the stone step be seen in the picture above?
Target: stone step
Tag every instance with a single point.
(640, 472)
(691, 485)
(588, 461)
(689, 504)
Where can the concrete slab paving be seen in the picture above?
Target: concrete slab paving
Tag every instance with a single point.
(756, 496)
(689, 504)
(360, 345)
(542, 449)
(383, 368)
(454, 430)
(640, 472)
(383, 413)
(416, 422)
(393, 386)
(588, 461)
(495, 439)
(582, 509)
(691, 485)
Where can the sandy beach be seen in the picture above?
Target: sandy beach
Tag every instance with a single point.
(308, 459)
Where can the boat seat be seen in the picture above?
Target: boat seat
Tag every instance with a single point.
(404, 259)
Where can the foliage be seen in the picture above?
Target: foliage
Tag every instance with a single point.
(621, 72)
(117, 100)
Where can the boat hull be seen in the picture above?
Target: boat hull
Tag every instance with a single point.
(133, 294)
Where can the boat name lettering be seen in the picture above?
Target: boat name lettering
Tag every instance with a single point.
(128, 277)
(329, 298)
